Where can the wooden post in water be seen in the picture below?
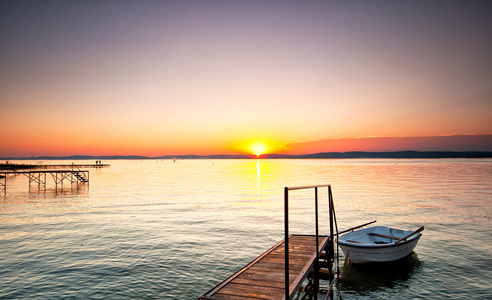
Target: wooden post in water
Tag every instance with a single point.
(4, 184)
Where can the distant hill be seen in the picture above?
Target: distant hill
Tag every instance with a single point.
(322, 155)
(395, 154)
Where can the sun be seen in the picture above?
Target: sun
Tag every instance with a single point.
(255, 146)
(258, 148)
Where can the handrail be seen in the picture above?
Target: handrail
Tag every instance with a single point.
(75, 166)
(80, 173)
(306, 187)
(286, 233)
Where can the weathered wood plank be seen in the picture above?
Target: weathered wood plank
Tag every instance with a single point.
(257, 292)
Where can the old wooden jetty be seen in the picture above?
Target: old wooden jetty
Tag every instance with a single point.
(279, 273)
(73, 176)
(75, 166)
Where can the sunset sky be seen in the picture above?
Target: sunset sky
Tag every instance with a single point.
(211, 77)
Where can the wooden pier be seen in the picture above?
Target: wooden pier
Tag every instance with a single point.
(60, 173)
(74, 165)
(14, 167)
(278, 274)
(263, 278)
(74, 176)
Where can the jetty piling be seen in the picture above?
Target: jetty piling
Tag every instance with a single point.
(4, 183)
(59, 173)
(280, 272)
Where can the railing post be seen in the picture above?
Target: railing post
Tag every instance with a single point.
(331, 256)
(286, 241)
(316, 262)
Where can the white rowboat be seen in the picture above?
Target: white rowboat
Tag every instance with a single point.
(378, 244)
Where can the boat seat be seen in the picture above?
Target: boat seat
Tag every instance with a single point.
(384, 236)
(381, 242)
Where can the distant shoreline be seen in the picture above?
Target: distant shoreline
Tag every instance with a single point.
(322, 155)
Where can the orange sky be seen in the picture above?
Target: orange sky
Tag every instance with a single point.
(172, 78)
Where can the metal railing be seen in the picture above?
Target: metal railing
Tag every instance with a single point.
(330, 242)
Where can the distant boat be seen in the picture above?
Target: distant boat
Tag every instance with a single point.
(378, 244)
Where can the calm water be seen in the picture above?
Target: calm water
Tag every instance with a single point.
(155, 229)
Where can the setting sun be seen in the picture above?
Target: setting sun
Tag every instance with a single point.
(258, 148)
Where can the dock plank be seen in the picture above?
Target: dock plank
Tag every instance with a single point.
(254, 291)
(264, 277)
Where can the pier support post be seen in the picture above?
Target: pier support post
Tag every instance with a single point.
(4, 184)
(36, 177)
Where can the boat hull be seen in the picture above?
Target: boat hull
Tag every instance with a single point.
(359, 247)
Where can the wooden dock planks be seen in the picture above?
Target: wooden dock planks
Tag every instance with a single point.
(15, 167)
(263, 278)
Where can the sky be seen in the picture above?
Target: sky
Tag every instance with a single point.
(211, 77)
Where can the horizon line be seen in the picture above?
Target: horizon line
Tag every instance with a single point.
(332, 154)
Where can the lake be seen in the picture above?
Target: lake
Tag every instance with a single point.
(158, 229)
